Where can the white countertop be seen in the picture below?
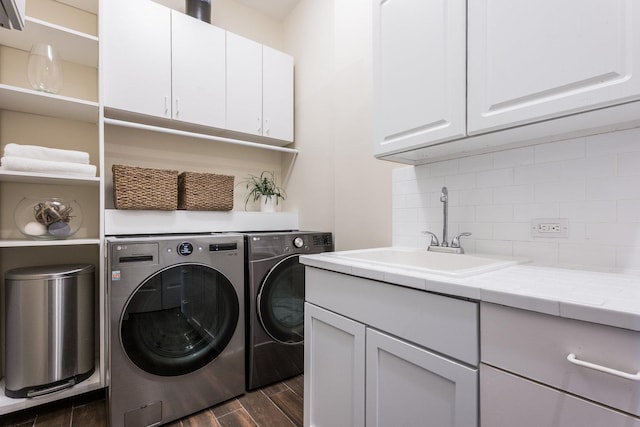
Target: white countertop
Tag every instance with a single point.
(605, 298)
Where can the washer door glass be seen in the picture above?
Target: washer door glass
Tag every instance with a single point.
(281, 302)
(179, 320)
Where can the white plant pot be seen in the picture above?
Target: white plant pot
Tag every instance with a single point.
(267, 204)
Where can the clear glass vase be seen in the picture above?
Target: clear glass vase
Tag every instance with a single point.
(48, 218)
(44, 68)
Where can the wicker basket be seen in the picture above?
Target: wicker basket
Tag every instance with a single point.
(205, 192)
(144, 188)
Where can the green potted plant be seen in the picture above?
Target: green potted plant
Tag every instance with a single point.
(265, 189)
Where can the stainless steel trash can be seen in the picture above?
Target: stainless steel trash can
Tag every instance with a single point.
(49, 328)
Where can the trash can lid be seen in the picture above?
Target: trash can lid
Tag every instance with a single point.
(48, 271)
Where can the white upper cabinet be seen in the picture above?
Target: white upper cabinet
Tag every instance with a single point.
(486, 74)
(198, 71)
(136, 62)
(259, 89)
(159, 62)
(167, 65)
(277, 94)
(419, 72)
(244, 85)
(531, 61)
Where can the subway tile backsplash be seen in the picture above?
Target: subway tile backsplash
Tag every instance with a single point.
(592, 181)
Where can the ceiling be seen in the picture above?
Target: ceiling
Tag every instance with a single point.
(277, 9)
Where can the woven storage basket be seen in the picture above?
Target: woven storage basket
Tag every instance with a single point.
(205, 192)
(144, 188)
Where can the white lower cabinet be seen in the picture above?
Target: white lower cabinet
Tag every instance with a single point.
(351, 365)
(543, 370)
(507, 400)
(410, 386)
(334, 376)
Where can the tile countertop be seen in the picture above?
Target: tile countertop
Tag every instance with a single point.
(604, 298)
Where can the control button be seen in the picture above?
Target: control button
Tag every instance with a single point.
(298, 242)
(185, 248)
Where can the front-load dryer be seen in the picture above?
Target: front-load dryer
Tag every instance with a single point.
(176, 326)
(275, 303)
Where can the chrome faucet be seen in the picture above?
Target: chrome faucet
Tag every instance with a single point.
(444, 198)
(434, 245)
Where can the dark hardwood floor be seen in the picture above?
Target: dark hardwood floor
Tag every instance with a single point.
(277, 405)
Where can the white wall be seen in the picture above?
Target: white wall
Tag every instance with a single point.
(240, 19)
(336, 183)
(593, 181)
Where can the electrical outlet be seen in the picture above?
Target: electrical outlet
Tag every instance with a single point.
(550, 227)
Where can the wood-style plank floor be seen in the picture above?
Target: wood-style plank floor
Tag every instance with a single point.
(277, 405)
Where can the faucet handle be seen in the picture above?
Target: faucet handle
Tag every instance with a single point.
(434, 238)
(455, 243)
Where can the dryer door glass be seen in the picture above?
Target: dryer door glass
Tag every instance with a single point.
(281, 301)
(179, 320)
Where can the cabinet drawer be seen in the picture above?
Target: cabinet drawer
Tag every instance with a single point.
(536, 346)
(507, 400)
(445, 325)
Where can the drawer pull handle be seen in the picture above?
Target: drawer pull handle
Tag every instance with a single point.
(572, 358)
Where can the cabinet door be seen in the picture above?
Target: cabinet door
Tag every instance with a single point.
(409, 386)
(419, 65)
(277, 94)
(334, 357)
(507, 401)
(136, 57)
(244, 85)
(198, 71)
(531, 61)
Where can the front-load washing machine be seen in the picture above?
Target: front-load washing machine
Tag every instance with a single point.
(275, 303)
(176, 325)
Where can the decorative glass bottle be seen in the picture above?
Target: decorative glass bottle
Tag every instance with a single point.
(44, 68)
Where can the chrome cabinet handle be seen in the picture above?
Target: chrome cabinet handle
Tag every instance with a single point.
(633, 377)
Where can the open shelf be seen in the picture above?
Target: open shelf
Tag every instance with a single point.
(44, 178)
(178, 128)
(23, 243)
(8, 404)
(45, 104)
(74, 46)
(86, 5)
(126, 222)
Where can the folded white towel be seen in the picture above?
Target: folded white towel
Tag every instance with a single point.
(45, 153)
(44, 166)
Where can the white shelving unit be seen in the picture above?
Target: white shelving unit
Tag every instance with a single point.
(80, 49)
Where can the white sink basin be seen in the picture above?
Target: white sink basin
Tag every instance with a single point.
(460, 265)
